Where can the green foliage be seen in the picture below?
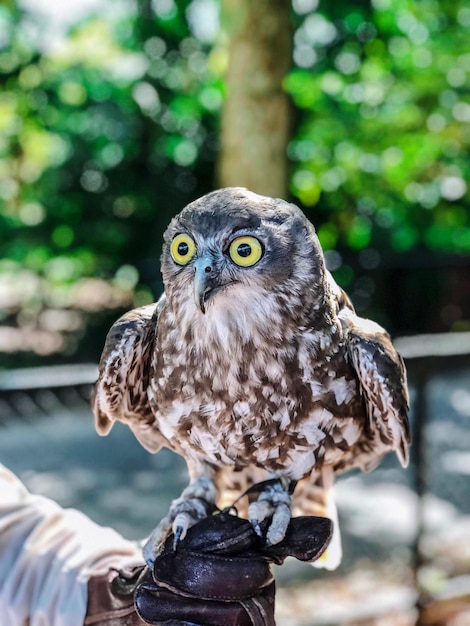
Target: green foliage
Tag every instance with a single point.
(104, 138)
(381, 148)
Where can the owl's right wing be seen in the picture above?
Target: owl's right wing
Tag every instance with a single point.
(120, 393)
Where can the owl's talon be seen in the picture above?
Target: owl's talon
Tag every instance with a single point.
(274, 501)
(195, 503)
(154, 544)
(278, 527)
(178, 535)
(256, 527)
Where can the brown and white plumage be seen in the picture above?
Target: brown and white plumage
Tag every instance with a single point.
(251, 371)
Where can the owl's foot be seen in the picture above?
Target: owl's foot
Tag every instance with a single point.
(195, 503)
(275, 501)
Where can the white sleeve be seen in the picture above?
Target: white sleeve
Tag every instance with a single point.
(47, 555)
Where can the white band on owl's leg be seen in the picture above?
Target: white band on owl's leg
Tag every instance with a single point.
(193, 505)
(275, 500)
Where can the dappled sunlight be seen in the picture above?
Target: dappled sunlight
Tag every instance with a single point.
(51, 311)
(109, 125)
(392, 89)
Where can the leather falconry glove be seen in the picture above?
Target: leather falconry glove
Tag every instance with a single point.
(219, 575)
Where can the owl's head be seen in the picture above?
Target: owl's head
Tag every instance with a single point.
(235, 247)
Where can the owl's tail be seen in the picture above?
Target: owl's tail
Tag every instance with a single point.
(315, 496)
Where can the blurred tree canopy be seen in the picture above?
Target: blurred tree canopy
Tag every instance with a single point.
(108, 132)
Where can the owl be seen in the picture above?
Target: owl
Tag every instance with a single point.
(254, 367)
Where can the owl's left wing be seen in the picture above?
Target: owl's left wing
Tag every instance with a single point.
(382, 378)
(120, 392)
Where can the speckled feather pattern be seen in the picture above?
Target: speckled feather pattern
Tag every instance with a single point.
(278, 377)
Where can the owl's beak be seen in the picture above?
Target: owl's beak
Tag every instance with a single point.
(205, 281)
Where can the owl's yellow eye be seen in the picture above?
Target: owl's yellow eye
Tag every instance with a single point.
(182, 249)
(245, 251)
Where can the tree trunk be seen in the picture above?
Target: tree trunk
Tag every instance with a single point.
(256, 114)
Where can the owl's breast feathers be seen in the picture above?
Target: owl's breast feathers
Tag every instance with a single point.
(229, 389)
(286, 398)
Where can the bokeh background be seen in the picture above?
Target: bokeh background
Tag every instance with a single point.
(114, 115)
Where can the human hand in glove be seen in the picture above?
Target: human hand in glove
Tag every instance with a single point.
(220, 573)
